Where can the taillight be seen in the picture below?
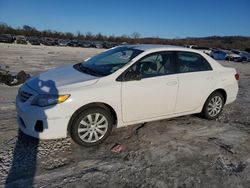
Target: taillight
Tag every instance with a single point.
(237, 76)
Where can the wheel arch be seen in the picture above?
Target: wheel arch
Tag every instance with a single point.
(220, 90)
(91, 105)
(223, 92)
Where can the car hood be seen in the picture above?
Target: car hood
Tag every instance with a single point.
(52, 80)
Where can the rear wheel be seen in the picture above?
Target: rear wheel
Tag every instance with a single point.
(213, 106)
(91, 127)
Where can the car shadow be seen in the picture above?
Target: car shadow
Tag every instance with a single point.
(24, 159)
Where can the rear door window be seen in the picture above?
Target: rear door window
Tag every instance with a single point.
(191, 62)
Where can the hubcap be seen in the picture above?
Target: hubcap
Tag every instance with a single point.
(214, 106)
(92, 127)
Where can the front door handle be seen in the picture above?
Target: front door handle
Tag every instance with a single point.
(172, 83)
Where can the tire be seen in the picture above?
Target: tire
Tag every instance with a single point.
(91, 124)
(212, 112)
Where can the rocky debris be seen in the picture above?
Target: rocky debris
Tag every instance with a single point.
(226, 165)
(52, 164)
(117, 148)
(136, 130)
(24, 152)
(51, 147)
(226, 147)
(12, 80)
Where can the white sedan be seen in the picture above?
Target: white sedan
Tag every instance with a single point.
(122, 86)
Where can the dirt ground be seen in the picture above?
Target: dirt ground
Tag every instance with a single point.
(180, 152)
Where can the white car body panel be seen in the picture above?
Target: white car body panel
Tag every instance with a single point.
(143, 93)
(133, 101)
(187, 99)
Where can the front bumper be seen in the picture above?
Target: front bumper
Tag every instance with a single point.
(52, 128)
(42, 123)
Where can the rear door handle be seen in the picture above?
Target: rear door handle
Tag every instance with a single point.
(172, 83)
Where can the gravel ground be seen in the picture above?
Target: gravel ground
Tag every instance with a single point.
(180, 152)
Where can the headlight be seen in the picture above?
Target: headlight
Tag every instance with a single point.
(46, 100)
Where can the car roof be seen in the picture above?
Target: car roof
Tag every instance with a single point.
(146, 47)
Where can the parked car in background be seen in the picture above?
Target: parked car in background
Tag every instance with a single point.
(84, 43)
(225, 55)
(125, 85)
(218, 54)
(98, 44)
(247, 50)
(34, 40)
(107, 44)
(49, 41)
(20, 39)
(189, 46)
(73, 43)
(63, 42)
(205, 50)
(245, 56)
(6, 38)
(232, 56)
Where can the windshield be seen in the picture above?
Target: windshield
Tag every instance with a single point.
(109, 61)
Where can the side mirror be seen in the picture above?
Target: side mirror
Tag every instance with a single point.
(131, 75)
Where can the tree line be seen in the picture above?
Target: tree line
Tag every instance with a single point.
(226, 42)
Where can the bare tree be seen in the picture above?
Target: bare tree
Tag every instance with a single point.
(237, 42)
(135, 35)
(89, 36)
(99, 37)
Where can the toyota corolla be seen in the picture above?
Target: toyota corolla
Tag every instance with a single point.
(122, 86)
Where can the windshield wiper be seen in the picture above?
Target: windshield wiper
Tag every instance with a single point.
(90, 71)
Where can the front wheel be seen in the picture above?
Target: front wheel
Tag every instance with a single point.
(91, 127)
(213, 106)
